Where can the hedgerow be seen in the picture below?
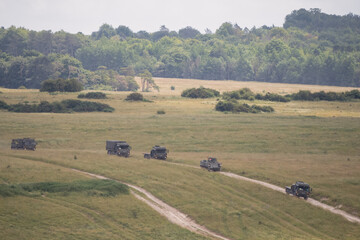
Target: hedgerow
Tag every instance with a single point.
(65, 106)
(93, 95)
(235, 107)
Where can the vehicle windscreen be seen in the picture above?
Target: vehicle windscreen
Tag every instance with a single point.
(161, 150)
(305, 188)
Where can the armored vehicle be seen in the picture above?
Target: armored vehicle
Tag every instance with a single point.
(211, 164)
(299, 189)
(157, 152)
(24, 143)
(120, 148)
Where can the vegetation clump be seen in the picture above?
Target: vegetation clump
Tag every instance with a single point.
(93, 95)
(247, 94)
(104, 188)
(61, 85)
(135, 97)
(3, 105)
(305, 95)
(200, 93)
(236, 107)
(65, 106)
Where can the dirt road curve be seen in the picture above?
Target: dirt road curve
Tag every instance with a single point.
(314, 202)
(172, 214)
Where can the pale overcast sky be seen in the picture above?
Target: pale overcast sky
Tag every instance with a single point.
(88, 15)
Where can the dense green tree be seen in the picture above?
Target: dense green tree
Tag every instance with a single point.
(124, 32)
(105, 30)
(188, 32)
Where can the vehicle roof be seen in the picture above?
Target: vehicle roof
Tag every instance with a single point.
(159, 147)
(302, 184)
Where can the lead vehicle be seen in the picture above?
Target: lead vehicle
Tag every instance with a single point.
(299, 189)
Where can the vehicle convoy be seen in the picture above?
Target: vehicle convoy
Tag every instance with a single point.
(211, 164)
(299, 189)
(120, 148)
(157, 152)
(24, 143)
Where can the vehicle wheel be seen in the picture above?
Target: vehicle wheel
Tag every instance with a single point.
(306, 197)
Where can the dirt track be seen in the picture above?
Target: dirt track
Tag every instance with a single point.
(314, 202)
(172, 214)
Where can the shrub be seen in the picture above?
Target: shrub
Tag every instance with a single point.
(244, 93)
(200, 93)
(93, 95)
(247, 94)
(64, 106)
(225, 106)
(273, 97)
(234, 106)
(135, 97)
(172, 87)
(305, 95)
(3, 105)
(104, 188)
(86, 106)
(61, 85)
(160, 112)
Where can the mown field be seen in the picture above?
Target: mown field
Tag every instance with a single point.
(316, 142)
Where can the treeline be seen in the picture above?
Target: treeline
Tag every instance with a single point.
(311, 48)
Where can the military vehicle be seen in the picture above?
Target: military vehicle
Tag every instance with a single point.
(157, 152)
(24, 143)
(299, 189)
(120, 148)
(210, 164)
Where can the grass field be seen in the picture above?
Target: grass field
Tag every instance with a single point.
(316, 142)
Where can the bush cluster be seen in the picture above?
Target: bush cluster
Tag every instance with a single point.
(234, 106)
(92, 187)
(304, 95)
(200, 93)
(247, 94)
(61, 85)
(135, 97)
(64, 106)
(3, 105)
(93, 95)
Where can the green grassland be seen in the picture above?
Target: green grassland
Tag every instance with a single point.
(315, 142)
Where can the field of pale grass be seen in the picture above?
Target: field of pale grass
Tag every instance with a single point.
(316, 142)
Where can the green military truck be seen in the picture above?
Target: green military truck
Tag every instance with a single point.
(120, 148)
(211, 164)
(157, 152)
(299, 189)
